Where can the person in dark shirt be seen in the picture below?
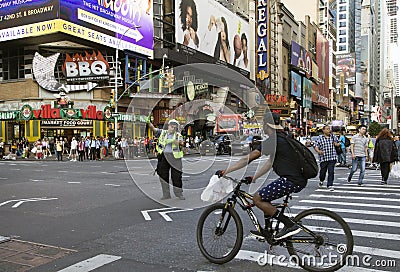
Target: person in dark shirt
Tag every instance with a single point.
(285, 163)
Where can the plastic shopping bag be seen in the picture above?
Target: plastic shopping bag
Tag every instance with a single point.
(216, 189)
(395, 172)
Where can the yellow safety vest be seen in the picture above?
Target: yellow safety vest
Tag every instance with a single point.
(163, 141)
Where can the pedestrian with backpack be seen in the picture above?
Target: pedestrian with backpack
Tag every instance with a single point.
(286, 163)
(325, 147)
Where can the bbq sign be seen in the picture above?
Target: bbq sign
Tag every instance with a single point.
(87, 67)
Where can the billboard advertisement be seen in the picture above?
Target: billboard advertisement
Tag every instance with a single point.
(295, 88)
(346, 67)
(301, 58)
(209, 27)
(17, 13)
(307, 93)
(111, 23)
(323, 64)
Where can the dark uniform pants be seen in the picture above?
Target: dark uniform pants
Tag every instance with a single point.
(166, 161)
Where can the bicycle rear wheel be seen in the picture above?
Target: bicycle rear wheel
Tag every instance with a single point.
(219, 233)
(328, 249)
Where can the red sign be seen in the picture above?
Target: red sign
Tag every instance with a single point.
(46, 112)
(276, 99)
(86, 67)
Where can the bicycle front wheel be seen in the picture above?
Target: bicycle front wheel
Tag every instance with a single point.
(219, 233)
(326, 244)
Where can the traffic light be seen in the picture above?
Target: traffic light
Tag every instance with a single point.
(112, 99)
(170, 79)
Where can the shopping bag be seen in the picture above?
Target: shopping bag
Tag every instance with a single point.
(34, 149)
(395, 172)
(216, 189)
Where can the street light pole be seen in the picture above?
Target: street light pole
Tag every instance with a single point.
(116, 82)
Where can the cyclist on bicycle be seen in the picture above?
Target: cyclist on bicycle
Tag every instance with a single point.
(285, 163)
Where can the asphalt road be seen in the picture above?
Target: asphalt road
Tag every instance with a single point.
(107, 215)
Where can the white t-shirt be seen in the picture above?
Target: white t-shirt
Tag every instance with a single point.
(74, 144)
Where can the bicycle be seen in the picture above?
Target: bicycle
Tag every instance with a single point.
(310, 248)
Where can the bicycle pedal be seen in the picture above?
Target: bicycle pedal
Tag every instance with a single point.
(262, 240)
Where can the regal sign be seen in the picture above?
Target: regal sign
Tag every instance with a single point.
(262, 39)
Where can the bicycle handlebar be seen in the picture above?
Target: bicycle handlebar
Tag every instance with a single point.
(234, 180)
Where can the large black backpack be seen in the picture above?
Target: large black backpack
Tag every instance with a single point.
(308, 163)
(346, 141)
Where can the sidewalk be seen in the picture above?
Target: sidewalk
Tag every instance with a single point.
(108, 158)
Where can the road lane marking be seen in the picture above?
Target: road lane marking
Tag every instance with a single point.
(349, 204)
(91, 264)
(108, 173)
(114, 185)
(146, 212)
(169, 219)
(163, 212)
(3, 178)
(24, 200)
(74, 182)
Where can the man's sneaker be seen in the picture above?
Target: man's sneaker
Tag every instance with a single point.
(259, 235)
(348, 180)
(330, 188)
(286, 232)
(383, 182)
(360, 184)
(165, 197)
(321, 183)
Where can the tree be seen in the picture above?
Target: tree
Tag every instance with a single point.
(374, 128)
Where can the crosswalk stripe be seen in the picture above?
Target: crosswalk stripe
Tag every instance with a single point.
(356, 198)
(274, 260)
(359, 233)
(360, 192)
(357, 187)
(378, 252)
(349, 211)
(368, 184)
(350, 204)
(91, 264)
(359, 221)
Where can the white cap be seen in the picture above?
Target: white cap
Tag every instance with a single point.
(173, 122)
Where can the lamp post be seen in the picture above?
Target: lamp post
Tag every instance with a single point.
(116, 82)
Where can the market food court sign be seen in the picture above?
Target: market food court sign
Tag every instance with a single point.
(66, 123)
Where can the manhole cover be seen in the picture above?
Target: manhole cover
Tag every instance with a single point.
(19, 256)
